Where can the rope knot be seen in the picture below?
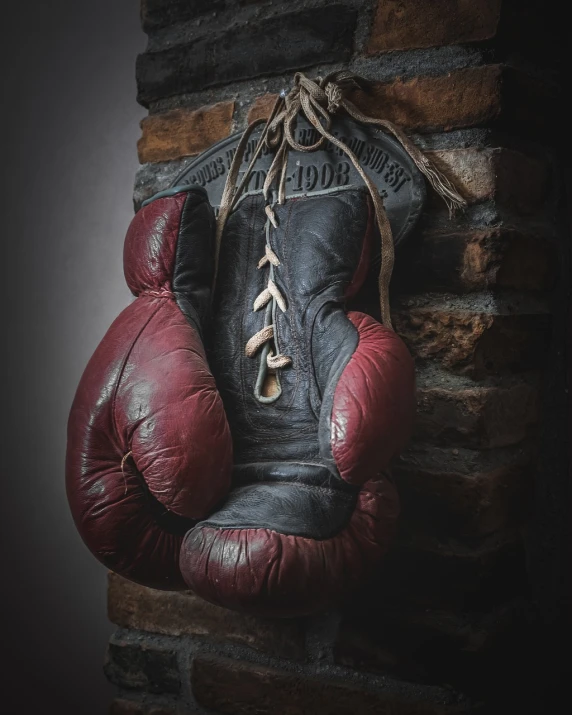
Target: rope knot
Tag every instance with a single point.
(335, 96)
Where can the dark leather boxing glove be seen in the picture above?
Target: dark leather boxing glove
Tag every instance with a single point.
(319, 401)
(149, 448)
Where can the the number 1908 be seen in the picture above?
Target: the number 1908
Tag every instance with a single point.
(312, 177)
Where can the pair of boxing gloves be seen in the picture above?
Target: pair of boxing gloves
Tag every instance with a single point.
(238, 444)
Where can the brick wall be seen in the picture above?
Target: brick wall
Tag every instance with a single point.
(454, 620)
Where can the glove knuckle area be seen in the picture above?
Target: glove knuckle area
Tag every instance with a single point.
(129, 532)
(118, 519)
(172, 418)
(119, 399)
(374, 402)
(271, 572)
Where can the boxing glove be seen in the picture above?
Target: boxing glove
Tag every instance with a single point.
(319, 401)
(149, 449)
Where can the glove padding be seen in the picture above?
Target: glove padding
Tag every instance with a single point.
(149, 448)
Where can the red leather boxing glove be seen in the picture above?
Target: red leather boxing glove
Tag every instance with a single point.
(149, 448)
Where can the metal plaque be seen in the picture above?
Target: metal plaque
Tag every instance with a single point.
(399, 181)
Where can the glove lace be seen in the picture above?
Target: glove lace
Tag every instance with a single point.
(267, 333)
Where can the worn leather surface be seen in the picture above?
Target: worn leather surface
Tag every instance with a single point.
(311, 510)
(378, 380)
(291, 508)
(149, 448)
(275, 574)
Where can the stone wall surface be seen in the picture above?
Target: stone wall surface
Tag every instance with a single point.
(448, 625)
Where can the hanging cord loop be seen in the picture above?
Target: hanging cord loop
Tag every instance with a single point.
(317, 101)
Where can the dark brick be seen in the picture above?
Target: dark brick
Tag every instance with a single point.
(407, 24)
(522, 182)
(529, 262)
(532, 105)
(477, 260)
(464, 494)
(471, 342)
(427, 644)
(537, 35)
(152, 178)
(142, 665)
(420, 571)
(174, 613)
(156, 14)
(235, 688)
(476, 417)
(280, 44)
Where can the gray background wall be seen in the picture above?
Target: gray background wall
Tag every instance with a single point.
(69, 126)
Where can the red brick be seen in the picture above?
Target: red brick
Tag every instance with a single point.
(471, 342)
(406, 24)
(142, 665)
(261, 108)
(233, 688)
(174, 613)
(184, 132)
(459, 99)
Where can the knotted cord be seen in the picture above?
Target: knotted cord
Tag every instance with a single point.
(317, 101)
